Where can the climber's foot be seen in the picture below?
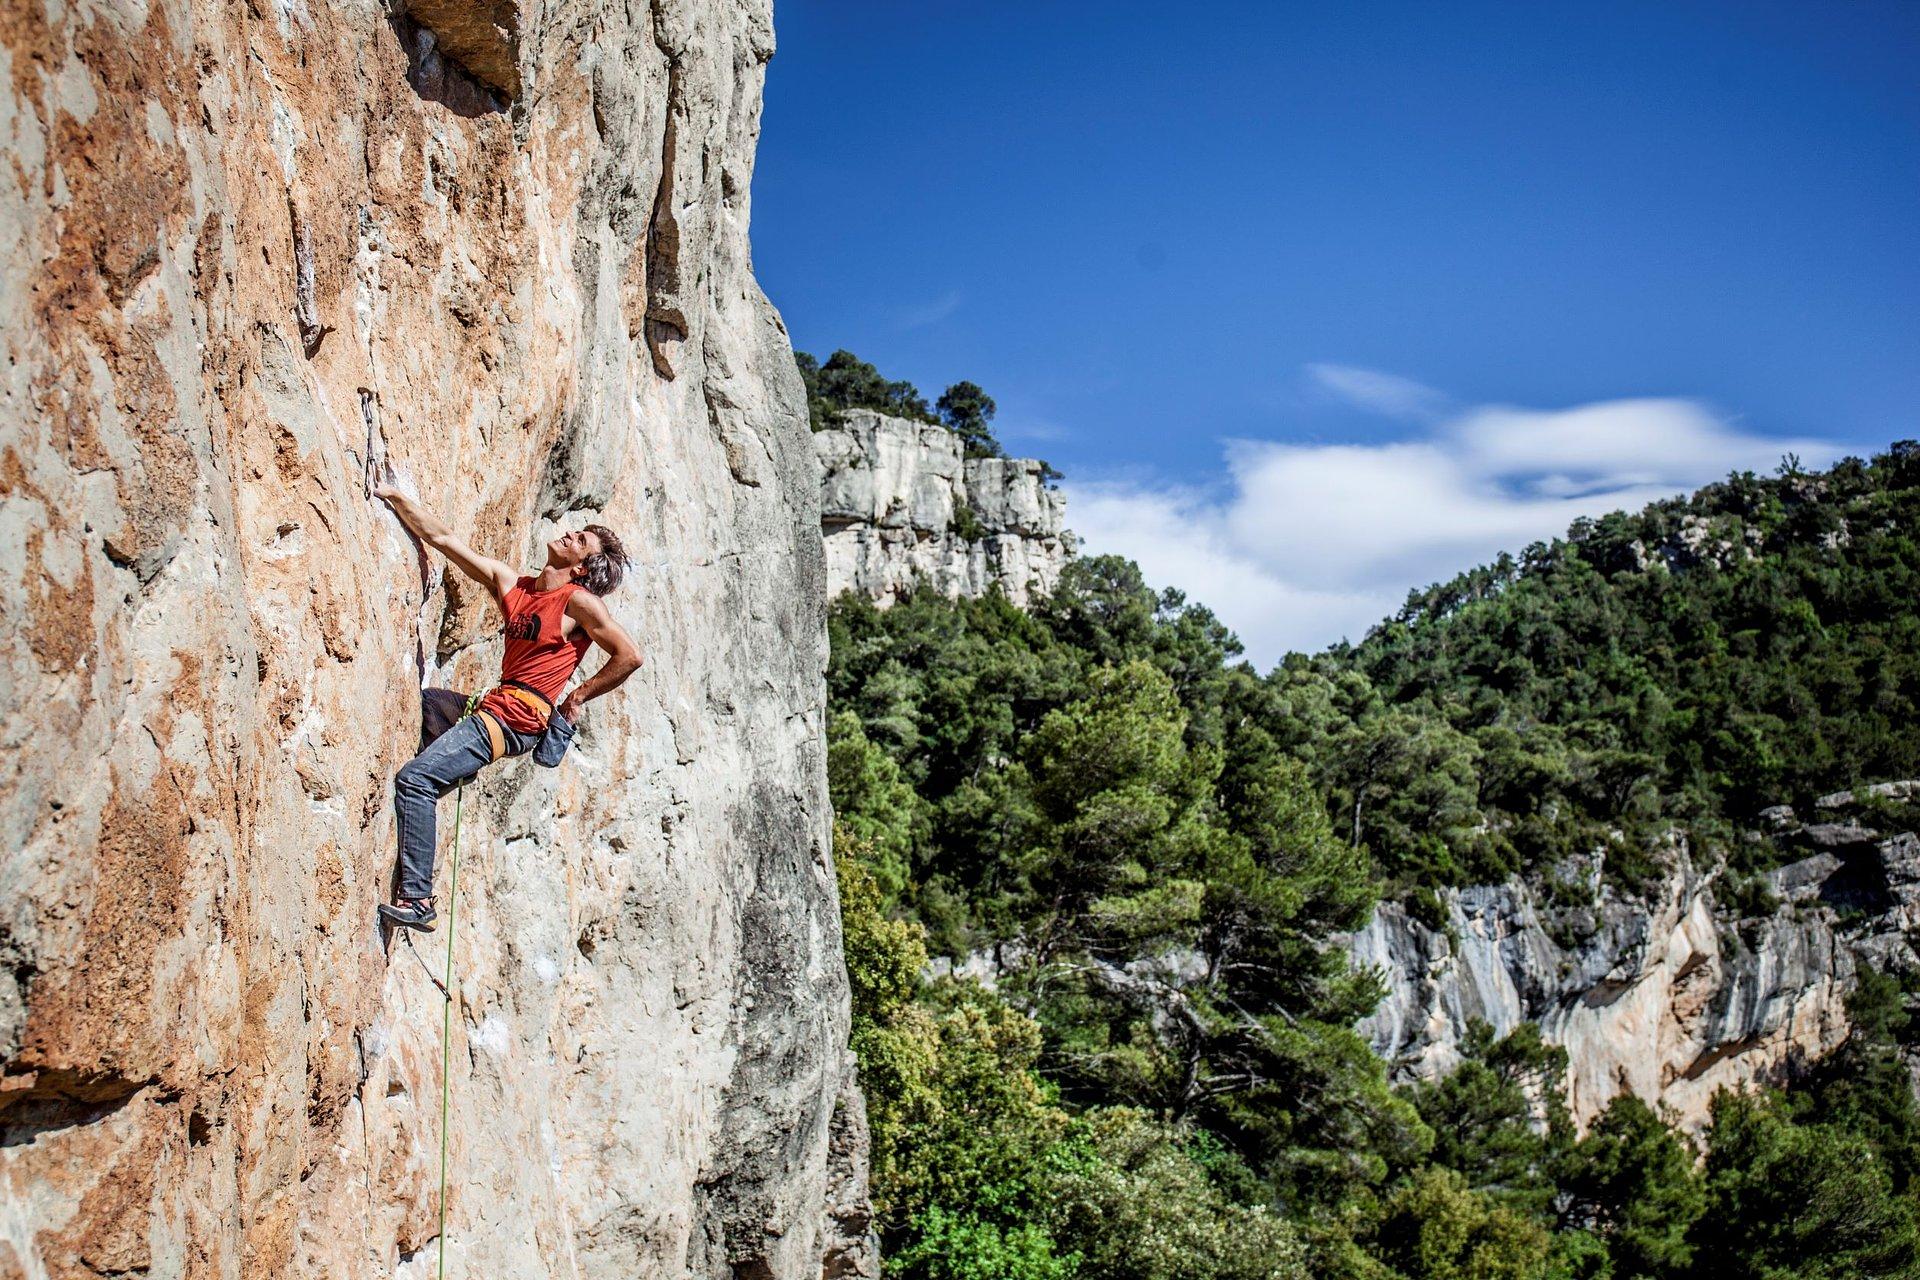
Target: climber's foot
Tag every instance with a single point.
(410, 913)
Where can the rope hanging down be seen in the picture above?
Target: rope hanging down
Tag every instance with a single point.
(446, 1021)
(446, 991)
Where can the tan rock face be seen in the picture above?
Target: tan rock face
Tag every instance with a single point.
(255, 257)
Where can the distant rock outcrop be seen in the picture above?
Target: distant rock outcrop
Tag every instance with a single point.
(900, 503)
(1662, 992)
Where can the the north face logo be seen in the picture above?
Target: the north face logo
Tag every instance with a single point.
(524, 628)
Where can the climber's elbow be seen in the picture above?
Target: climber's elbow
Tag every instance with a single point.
(627, 659)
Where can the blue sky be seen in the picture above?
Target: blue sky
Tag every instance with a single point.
(1314, 304)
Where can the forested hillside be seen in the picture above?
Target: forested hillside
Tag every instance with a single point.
(1148, 848)
(1695, 663)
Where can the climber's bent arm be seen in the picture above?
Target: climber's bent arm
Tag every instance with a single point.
(623, 655)
(432, 530)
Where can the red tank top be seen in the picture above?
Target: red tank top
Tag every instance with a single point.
(537, 655)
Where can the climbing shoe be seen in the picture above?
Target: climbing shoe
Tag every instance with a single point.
(420, 915)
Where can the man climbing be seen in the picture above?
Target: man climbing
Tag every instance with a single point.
(551, 617)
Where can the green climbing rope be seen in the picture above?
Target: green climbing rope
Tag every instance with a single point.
(446, 991)
(446, 1023)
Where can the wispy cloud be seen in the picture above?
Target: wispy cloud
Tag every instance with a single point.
(921, 315)
(1378, 392)
(1301, 545)
(1038, 430)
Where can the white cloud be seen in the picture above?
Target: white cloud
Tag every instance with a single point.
(922, 315)
(1179, 540)
(1305, 544)
(1036, 429)
(1377, 391)
(1599, 441)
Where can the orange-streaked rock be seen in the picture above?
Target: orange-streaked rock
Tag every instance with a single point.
(255, 255)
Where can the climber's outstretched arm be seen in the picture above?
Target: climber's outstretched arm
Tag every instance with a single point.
(433, 531)
(623, 655)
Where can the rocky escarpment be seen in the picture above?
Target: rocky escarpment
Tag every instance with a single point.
(1662, 992)
(257, 258)
(900, 503)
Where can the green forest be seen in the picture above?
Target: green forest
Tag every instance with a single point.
(1152, 846)
(846, 382)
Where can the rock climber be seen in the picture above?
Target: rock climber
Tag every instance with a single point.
(551, 617)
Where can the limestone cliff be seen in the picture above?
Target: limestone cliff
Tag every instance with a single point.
(899, 502)
(1663, 991)
(257, 257)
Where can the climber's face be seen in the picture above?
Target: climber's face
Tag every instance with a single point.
(570, 551)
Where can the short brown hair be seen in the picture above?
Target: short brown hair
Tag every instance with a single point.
(607, 566)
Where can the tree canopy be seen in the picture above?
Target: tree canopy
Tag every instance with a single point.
(846, 381)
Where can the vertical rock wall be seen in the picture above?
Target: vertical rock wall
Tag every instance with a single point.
(255, 256)
(900, 503)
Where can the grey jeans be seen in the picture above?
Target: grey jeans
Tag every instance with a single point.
(444, 762)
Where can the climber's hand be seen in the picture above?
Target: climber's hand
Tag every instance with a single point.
(385, 492)
(569, 708)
